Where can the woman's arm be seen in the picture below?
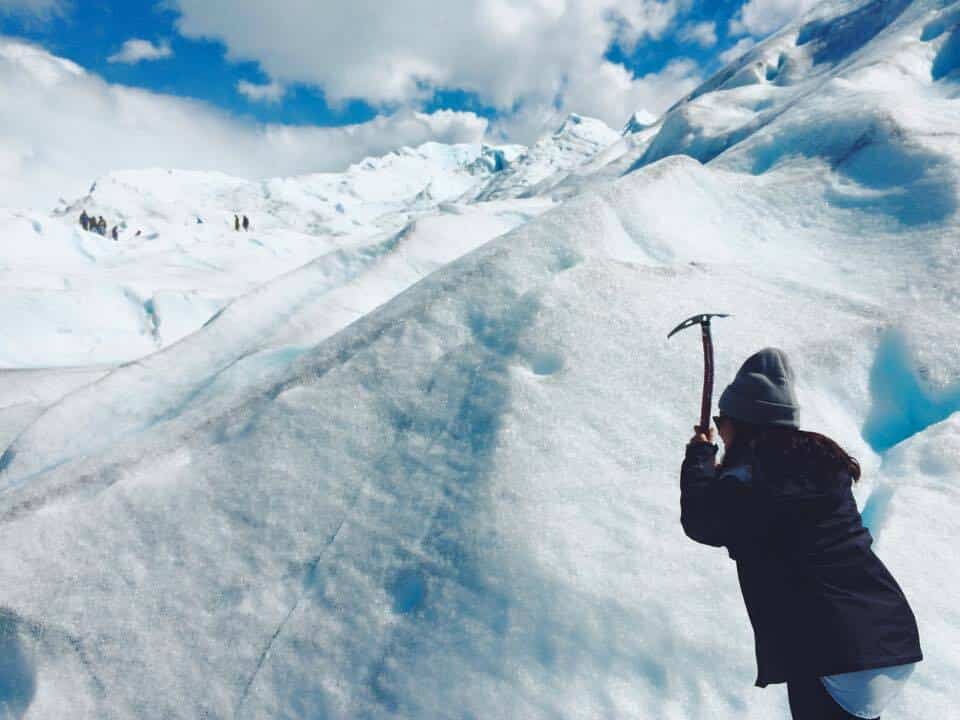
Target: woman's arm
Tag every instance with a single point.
(701, 505)
(722, 509)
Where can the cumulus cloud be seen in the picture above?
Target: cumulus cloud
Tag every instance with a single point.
(703, 34)
(272, 92)
(733, 53)
(136, 50)
(640, 20)
(114, 128)
(613, 94)
(616, 95)
(762, 17)
(523, 58)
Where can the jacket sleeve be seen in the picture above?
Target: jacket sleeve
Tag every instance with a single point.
(699, 494)
(722, 509)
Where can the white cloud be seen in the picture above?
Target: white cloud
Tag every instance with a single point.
(703, 34)
(136, 50)
(272, 92)
(762, 17)
(41, 9)
(648, 19)
(535, 56)
(613, 95)
(610, 92)
(113, 127)
(733, 53)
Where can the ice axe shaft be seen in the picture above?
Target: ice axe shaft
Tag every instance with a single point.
(707, 399)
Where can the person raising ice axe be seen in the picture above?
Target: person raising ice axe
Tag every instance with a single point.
(829, 619)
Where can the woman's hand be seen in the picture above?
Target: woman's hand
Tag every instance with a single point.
(700, 436)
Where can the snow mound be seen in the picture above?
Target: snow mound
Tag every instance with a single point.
(478, 475)
(259, 334)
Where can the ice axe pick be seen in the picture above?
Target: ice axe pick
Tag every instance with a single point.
(704, 322)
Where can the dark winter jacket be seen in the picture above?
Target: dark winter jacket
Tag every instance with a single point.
(820, 601)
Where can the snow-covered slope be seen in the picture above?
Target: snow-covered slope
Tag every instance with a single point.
(178, 259)
(478, 477)
(463, 500)
(866, 89)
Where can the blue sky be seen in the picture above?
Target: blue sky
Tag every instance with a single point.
(90, 31)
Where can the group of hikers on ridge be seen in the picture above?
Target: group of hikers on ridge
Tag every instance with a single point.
(97, 225)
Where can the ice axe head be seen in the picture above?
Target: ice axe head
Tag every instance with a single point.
(703, 321)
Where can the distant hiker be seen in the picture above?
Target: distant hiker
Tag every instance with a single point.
(138, 233)
(236, 223)
(102, 226)
(246, 223)
(84, 220)
(199, 220)
(114, 234)
(828, 617)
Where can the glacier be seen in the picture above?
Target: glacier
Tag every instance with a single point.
(410, 447)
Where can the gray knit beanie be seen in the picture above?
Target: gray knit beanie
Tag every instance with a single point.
(762, 393)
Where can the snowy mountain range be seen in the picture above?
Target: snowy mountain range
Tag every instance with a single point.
(409, 447)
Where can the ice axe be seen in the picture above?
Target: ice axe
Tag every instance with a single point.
(704, 322)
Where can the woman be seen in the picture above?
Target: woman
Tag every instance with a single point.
(828, 617)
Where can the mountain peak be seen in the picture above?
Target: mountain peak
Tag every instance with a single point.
(580, 128)
(640, 120)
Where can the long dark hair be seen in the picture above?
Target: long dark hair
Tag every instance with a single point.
(800, 448)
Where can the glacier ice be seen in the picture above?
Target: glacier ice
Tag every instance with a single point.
(433, 470)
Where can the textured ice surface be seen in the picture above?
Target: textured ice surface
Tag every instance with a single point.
(386, 486)
(550, 160)
(69, 297)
